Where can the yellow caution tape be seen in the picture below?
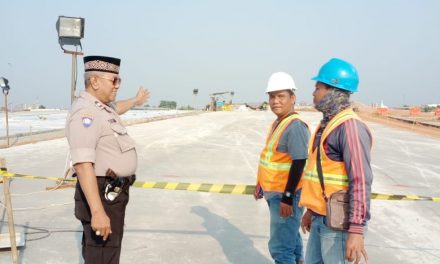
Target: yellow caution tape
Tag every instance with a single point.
(15, 175)
(199, 187)
(216, 188)
(396, 197)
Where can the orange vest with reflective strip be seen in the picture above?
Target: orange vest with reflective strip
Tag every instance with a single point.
(334, 173)
(274, 166)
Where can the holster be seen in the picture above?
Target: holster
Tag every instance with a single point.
(113, 186)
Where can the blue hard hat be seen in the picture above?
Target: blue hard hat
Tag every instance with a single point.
(340, 74)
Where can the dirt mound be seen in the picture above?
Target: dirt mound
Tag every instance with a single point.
(369, 114)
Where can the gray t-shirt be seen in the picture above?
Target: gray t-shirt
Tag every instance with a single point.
(295, 140)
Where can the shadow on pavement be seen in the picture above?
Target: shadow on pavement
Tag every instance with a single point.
(237, 246)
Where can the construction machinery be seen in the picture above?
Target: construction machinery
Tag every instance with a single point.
(218, 102)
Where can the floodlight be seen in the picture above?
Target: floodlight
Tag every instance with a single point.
(4, 85)
(195, 91)
(70, 30)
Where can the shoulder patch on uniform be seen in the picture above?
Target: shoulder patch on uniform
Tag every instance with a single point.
(99, 105)
(87, 120)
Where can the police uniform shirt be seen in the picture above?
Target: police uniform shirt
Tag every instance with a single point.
(96, 134)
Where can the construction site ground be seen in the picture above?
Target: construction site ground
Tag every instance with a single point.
(166, 226)
(425, 123)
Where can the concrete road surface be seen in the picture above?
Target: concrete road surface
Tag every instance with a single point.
(164, 226)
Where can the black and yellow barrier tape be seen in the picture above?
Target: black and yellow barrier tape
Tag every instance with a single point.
(216, 188)
(31, 177)
(199, 187)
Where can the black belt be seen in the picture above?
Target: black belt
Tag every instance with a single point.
(316, 214)
(121, 182)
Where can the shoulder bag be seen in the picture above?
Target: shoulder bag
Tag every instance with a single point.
(337, 205)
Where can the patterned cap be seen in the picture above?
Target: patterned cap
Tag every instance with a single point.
(101, 63)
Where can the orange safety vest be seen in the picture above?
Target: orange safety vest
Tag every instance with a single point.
(274, 166)
(334, 173)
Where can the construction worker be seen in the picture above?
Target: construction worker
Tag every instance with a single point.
(343, 142)
(104, 158)
(279, 172)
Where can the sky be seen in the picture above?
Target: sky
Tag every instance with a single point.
(173, 47)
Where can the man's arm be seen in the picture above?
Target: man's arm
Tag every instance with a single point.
(356, 153)
(297, 146)
(295, 173)
(356, 147)
(100, 222)
(124, 105)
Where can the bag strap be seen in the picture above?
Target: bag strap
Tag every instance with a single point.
(319, 167)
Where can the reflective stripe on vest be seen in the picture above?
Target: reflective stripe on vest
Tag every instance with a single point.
(274, 166)
(334, 172)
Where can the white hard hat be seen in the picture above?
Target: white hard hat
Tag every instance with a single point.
(279, 81)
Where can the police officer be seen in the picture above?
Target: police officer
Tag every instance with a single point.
(104, 159)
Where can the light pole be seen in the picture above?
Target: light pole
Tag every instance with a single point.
(195, 92)
(70, 32)
(5, 87)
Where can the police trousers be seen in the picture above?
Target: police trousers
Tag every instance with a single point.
(94, 249)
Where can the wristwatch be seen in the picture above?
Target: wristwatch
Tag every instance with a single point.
(288, 194)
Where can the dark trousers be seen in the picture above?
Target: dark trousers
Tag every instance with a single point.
(94, 249)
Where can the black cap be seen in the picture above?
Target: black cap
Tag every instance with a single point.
(102, 63)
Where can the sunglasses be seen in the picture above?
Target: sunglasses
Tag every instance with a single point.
(115, 80)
